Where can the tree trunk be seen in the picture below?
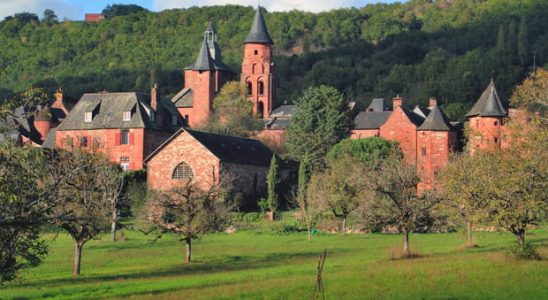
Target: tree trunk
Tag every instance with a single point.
(113, 224)
(343, 229)
(77, 258)
(406, 252)
(469, 239)
(309, 229)
(520, 235)
(188, 243)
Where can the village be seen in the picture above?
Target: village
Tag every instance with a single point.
(132, 178)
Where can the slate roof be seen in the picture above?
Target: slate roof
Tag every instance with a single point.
(283, 111)
(259, 32)
(488, 104)
(203, 62)
(210, 28)
(377, 105)
(227, 148)
(371, 119)
(421, 111)
(436, 121)
(413, 117)
(49, 141)
(278, 124)
(108, 108)
(184, 98)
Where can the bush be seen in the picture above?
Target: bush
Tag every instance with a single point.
(527, 251)
(252, 217)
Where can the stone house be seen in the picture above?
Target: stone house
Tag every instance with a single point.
(208, 158)
(126, 127)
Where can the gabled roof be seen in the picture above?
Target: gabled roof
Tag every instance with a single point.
(226, 148)
(489, 104)
(436, 121)
(107, 110)
(278, 123)
(371, 119)
(184, 98)
(377, 105)
(413, 117)
(421, 111)
(258, 33)
(203, 62)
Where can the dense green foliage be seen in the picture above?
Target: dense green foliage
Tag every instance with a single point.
(362, 149)
(272, 183)
(247, 265)
(418, 49)
(321, 119)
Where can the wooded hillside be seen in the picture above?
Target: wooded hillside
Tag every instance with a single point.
(417, 49)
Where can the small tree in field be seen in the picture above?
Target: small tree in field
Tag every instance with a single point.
(272, 182)
(391, 198)
(187, 212)
(86, 203)
(308, 207)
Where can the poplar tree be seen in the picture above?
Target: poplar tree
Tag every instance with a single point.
(272, 181)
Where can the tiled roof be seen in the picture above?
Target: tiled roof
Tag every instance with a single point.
(226, 148)
(259, 32)
(436, 121)
(107, 111)
(489, 104)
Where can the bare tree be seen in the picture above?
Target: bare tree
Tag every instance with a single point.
(391, 198)
(187, 211)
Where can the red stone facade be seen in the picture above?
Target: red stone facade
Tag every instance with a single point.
(433, 149)
(485, 133)
(94, 18)
(364, 133)
(203, 85)
(258, 76)
(399, 128)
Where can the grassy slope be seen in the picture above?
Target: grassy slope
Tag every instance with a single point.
(250, 266)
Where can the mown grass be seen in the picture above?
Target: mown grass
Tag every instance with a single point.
(247, 265)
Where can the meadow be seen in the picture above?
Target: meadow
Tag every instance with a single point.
(266, 265)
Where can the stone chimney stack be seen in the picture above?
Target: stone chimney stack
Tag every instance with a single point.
(154, 97)
(397, 102)
(432, 102)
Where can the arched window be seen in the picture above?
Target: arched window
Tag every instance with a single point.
(256, 52)
(182, 171)
(249, 88)
(260, 109)
(261, 88)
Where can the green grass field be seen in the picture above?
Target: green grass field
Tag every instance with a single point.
(247, 265)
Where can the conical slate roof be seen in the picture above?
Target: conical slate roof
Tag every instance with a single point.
(489, 104)
(259, 32)
(204, 62)
(436, 121)
(210, 28)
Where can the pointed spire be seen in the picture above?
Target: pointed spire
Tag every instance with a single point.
(489, 104)
(259, 32)
(436, 121)
(204, 62)
(210, 28)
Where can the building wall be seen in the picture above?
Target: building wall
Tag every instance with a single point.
(105, 141)
(257, 67)
(184, 148)
(433, 148)
(399, 128)
(364, 133)
(247, 179)
(485, 133)
(274, 139)
(203, 85)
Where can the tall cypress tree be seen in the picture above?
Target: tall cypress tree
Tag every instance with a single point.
(272, 181)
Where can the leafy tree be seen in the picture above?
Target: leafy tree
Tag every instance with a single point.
(362, 149)
(532, 94)
(49, 16)
(87, 203)
(321, 120)
(232, 112)
(307, 206)
(187, 212)
(117, 10)
(391, 199)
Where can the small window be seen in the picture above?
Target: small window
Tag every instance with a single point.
(88, 117)
(423, 151)
(127, 116)
(261, 88)
(84, 141)
(124, 163)
(496, 140)
(249, 88)
(124, 137)
(496, 123)
(182, 171)
(256, 52)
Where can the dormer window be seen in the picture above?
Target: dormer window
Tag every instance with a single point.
(88, 117)
(126, 116)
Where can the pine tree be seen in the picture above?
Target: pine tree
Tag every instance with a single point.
(272, 181)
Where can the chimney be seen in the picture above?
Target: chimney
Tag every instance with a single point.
(397, 102)
(154, 97)
(432, 102)
(58, 102)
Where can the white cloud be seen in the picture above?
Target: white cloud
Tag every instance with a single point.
(62, 8)
(271, 5)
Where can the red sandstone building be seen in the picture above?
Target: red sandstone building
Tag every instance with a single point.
(127, 127)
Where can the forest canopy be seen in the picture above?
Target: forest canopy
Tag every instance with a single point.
(420, 48)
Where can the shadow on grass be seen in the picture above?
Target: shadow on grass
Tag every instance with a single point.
(225, 264)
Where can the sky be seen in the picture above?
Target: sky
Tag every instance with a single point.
(75, 9)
